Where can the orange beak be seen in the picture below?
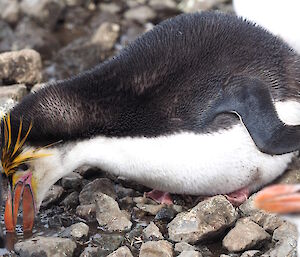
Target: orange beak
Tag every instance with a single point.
(281, 198)
(22, 189)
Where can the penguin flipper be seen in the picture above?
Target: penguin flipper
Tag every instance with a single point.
(251, 100)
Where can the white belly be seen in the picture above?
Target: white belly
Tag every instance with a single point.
(188, 163)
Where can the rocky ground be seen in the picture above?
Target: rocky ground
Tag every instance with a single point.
(90, 213)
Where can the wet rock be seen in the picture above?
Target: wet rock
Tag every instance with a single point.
(87, 212)
(107, 243)
(150, 208)
(151, 232)
(121, 252)
(286, 241)
(106, 35)
(72, 181)
(251, 253)
(46, 246)
(206, 219)
(91, 191)
(14, 92)
(109, 215)
(71, 200)
(21, 66)
(46, 12)
(156, 249)
(9, 11)
(199, 5)
(190, 254)
(141, 14)
(52, 196)
(183, 246)
(253, 236)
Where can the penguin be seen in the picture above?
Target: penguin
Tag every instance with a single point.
(279, 17)
(203, 104)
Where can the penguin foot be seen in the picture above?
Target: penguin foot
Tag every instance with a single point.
(160, 197)
(238, 197)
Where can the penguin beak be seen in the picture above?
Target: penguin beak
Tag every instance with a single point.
(281, 198)
(20, 188)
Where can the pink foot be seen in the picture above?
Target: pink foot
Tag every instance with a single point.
(160, 197)
(238, 197)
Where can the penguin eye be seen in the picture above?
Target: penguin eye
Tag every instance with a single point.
(23, 167)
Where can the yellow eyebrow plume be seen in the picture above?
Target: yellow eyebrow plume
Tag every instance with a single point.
(13, 156)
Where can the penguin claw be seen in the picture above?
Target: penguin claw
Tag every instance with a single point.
(160, 197)
(238, 197)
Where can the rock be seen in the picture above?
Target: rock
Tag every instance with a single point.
(251, 253)
(52, 196)
(71, 200)
(110, 7)
(93, 252)
(75, 2)
(38, 87)
(150, 208)
(121, 252)
(167, 213)
(87, 212)
(289, 177)
(156, 249)
(109, 215)
(123, 191)
(166, 5)
(77, 231)
(253, 236)
(14, 92)
(208, 218)
(7, 37)
(107, 243)
(45, 12)
(91, 191)
(151, 232)
(268, 221)
(21, 66)
(183, 246)
(42, 41)
(286, 237)
(199, 5)
(9, 11)
(190, 254)
(106, 35)
(45, 246)
(141, 14)
(72, 181)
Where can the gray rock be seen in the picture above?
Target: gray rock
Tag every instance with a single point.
(290, 177)
(107, 243)
(72, 181)
(77, 231)
(199, 5)
(286, 241)
(151, 232)
(183, 246)
(123, 191)
(110, 7)
(190, 254)
(45, 246)
(52, 196)
(14, 92)
(121, 252)
(91, 191)
(206, 219)
(156, 249)
(106, 35)
(71, 200)
(245, 235)
(109, 215)
(266, 220)
(93, 252)
(141, 14)
(74, 2)
(21, 66)
(46, 12)
(87, 212)
(251, 253)
(166, 5)
(150, 208)
(7, 37)
(9, 11)
(38, 87)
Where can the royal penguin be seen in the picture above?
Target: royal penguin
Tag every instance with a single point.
(202, 104)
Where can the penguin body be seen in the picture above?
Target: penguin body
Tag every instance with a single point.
(202, 104)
